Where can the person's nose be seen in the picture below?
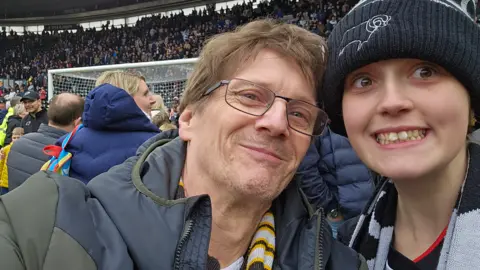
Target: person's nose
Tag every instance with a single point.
(275, 119)
(152, 100)
(394, 98)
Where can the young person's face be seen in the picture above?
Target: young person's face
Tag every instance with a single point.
(405, 118)
(16, 137)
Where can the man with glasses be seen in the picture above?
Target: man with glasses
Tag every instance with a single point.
(221, 195)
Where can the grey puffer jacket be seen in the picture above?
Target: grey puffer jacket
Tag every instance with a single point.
(127, 218)
(26, 155)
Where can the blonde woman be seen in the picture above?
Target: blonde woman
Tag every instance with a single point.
(403, 83)
(116, 122)
(14, 121)
(134, 84)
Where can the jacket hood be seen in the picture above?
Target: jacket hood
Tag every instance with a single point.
(111, 108)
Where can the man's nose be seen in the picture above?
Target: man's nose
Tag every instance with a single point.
(275, 119)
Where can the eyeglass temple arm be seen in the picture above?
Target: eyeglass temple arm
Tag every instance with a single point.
(215, 86)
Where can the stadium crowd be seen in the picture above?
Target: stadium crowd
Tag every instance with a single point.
(152, 38)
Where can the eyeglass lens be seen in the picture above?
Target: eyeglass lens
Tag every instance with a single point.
(255, 100)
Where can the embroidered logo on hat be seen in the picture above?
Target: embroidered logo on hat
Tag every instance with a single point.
(467, 7)
(363, 32)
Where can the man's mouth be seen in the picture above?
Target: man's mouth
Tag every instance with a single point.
(263, 151)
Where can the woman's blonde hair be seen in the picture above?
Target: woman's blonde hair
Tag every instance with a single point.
(471, 129)
(160, 118)
(18, 109)
(159, 105)
(167, 126)
(473, 120)
(128, 81)
(224, 54)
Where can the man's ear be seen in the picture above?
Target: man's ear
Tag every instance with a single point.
(186, 124)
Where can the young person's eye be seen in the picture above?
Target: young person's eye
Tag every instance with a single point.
(362, 82)
(424, 72)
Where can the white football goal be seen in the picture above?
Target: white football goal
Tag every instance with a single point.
(166, 78)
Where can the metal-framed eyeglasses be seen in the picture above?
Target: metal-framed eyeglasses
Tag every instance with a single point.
(256, 100)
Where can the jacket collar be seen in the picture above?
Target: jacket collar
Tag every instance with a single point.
(51, 131)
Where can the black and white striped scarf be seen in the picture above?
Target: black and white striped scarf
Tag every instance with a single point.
(461, 248)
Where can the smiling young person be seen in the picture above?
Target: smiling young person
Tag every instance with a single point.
(402, 82)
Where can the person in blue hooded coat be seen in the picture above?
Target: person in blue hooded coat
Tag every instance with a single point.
(116, 123)
(334, 178)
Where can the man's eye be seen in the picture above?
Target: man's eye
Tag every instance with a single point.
(249, 96)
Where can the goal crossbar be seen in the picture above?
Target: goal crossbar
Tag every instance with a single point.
(52, 72)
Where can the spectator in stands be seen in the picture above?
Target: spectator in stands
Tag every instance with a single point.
(43, 96)
(116, 122)
(219, 196)
(407, 101)
(64, 114)
(159, 105)
(15, 121)
(36, 114)
(161, 121)
(3, 108)
(4, 155)
(3, 127)
(334, 178)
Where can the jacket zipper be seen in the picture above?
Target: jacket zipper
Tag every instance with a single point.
(319, 238)
(185, 235)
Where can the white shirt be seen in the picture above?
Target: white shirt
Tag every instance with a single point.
(236, 265)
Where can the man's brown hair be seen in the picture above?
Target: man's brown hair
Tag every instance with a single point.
(65, 108)
(224, 54)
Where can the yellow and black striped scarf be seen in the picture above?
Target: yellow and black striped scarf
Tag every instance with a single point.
(261, 253)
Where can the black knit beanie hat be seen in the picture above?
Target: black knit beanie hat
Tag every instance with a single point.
(443, 32)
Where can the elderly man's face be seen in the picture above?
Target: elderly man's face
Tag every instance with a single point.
(251, 156)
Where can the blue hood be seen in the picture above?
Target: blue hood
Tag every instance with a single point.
(111, 108)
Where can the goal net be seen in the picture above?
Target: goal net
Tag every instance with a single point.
(166, 78)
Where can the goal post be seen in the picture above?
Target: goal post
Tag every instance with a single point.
(166, 78)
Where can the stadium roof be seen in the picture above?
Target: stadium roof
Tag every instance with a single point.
(45, 8)
(58, 12)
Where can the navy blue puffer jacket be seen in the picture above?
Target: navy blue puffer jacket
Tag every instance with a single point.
(333, 177)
